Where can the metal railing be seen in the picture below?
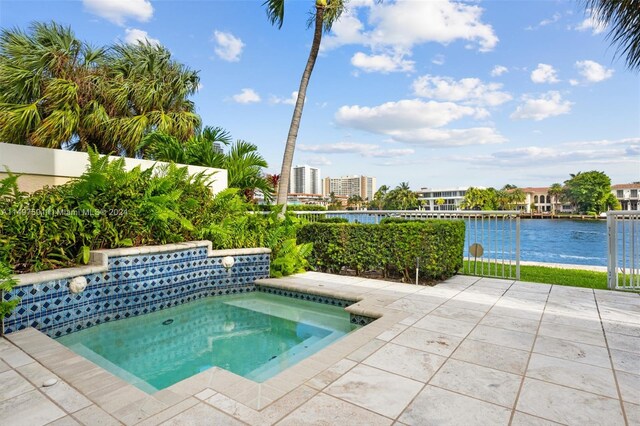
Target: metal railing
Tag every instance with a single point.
(492, 238)
(623, 270)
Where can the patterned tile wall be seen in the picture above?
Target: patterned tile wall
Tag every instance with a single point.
(133, 285)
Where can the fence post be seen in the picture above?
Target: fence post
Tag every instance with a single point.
(612, 261)
(517, 247)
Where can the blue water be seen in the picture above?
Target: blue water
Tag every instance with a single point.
(255, 335)
(579, 242)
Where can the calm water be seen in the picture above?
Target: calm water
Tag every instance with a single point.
(580, 242)
(254, 335)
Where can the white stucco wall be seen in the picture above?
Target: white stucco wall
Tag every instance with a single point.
(44, 166)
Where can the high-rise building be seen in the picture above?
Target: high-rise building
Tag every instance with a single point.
(305, 180)
(347, 186)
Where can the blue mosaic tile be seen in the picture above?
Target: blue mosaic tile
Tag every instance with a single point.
(133, 285)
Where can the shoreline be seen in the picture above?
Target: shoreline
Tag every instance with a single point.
(593, 268)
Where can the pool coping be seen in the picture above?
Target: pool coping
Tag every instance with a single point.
(131, 405)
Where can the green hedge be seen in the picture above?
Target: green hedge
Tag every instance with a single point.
(333, 220)
(391, 249)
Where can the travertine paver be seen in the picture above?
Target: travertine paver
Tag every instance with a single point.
(467, 351)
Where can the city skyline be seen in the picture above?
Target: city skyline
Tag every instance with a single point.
(432, 93)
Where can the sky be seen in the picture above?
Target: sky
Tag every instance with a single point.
(436, 93)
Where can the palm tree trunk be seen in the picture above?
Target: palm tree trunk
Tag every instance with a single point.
(287, 159)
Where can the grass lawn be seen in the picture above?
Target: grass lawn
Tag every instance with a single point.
(544, 274)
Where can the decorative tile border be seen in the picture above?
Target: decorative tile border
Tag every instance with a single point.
(354, 319)
(135, 281)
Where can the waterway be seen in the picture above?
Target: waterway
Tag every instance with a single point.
(578, 242)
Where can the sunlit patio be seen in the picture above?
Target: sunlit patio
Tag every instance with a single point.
(467, 351)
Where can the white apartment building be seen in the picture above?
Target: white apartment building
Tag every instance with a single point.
(346, 186)
(442, 199)
(305, 180)
(628, 195)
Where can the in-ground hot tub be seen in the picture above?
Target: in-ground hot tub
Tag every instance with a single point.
(255, 335)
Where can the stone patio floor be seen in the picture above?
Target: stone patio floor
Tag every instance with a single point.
(467, 351)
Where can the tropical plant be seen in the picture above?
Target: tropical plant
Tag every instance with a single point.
(7, 282)
(590, 192)
(291, 259)
(555, 191)
(58, 91)
(323, 15)
(378, 198)
(401, 198)
(355, 201)
(243, 163)
(623, 16)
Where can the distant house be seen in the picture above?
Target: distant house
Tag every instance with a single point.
(444, 199)
(627, 195)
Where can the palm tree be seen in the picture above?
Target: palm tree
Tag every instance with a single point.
(323, 16)
(555, 191)
(355, 200)
(243, 163)
(56, 91)
(623, 16)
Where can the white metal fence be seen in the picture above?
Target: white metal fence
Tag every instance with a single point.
(492, 240)
(623, 228)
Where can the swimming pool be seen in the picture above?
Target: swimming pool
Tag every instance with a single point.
(255, 335)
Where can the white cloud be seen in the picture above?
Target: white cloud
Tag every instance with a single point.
(291, 100)
(549, 104)
(228, 47)
(409, 113)
(438, 60)
(591, 23)
(382, 63)
(593, 72)
(119, 11)
(247, 96)
(419, 122)
(449, 137)
(365, 150)
(498, 70)
(548, 21)
(592, 152)
(401, 25)
(544, 73)
(574, 82)
(468, 90)
(318, 161)
(134, 36)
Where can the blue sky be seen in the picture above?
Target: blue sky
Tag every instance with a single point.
(436, 93)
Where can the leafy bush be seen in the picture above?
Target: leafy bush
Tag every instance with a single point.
(292, 258)
(6, 284)
(391, 249)
(333, 220)
(109, 207)
(388, 220)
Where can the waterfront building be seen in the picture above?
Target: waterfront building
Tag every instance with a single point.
(628, 195)
(347, 186)
(309, 199)
(305, 180)
(443, 199)
(538, 200)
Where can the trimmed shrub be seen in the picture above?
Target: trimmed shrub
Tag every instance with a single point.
(391, 249)
(333, 220)
(388, 220)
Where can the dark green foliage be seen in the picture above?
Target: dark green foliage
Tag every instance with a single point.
(391, 249)
(6, 284)
(110, 207)
(388, 220)
(590, 192)
(292, 258)
(333, 220)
